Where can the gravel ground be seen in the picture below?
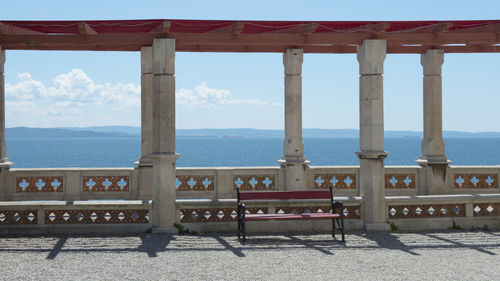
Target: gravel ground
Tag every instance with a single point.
(456, 255)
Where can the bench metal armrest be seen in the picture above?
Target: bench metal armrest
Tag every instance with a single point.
(241, 210)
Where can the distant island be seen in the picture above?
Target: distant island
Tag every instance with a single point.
(135, 132)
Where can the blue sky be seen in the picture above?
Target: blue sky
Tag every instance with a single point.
(52, 89)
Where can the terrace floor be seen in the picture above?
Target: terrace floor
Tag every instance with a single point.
(457, 255)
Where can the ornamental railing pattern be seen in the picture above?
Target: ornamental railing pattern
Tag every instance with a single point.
(426, 211)
(39, 184)
(336, 181)
(17, 217)
(399, 181)
(194, 183)
(350, 212)
(105, 183)
(486, 209)
(96, 216)
(215, 214)
(476, 180)
(266, 182)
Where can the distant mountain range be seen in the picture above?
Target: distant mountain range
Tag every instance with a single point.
(134, 132)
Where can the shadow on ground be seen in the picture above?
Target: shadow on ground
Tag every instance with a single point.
(485, 242)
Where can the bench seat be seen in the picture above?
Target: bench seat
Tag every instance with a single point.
(305, 216)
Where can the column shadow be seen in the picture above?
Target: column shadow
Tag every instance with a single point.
(57, 248)
(152, 244)
(461, 245)
(389, 241)
(229, 247)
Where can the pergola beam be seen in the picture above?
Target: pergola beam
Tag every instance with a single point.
(85, 29)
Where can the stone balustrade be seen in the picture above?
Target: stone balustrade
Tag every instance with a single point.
(444, 211)
(85, 216)
(206, 197)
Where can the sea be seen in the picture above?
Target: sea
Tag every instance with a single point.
(217, 152)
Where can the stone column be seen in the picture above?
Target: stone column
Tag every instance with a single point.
(4, 161)
(145, 164)
(164, 156)
(293, 161)
(433, 158)
(371, 56)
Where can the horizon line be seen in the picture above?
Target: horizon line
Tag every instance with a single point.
(391, 130)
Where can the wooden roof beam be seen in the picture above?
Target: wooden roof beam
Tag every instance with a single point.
(85, 29)
(165, 27)
(237, 28)
(309, 28)
(6, 29)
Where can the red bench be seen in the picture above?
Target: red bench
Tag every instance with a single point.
(337, 218)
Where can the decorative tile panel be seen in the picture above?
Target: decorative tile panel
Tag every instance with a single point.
(194, 183)
(215, 214)
(426, 211)
(475, 180)
(265, 182)
(486, 209)
(39, 184)
(337, 181)
(96, 216)
(106, 183)
(16, 217)
(350, 212)
(399, 181)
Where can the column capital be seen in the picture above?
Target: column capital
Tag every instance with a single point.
(146, 60)
(292, 60)
(164, 56)
(432, 61)
(371, 56)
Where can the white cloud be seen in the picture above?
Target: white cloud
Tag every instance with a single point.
(74, 99)
(203, 96)
(75, 86)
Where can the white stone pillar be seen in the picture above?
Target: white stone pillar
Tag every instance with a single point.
(4, 161)
(3, 154)
(145, 164)
(293, 161)
(371, 56)
(433, 156)
(146, 105)
(164, 156)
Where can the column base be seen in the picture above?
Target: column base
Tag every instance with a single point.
(427, 161)
(144, 162)
(164, 156)
(288, 161)
(377, 226)
(165, 229)
(372, 154)
(295, 172)
(5, 163)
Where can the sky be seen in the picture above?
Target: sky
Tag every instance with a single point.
(242, 90)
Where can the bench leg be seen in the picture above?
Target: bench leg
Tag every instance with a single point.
(333, 228)
(239, 228)
(340, 224)
(243, 230)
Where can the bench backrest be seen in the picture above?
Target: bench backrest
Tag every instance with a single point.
(284, 195)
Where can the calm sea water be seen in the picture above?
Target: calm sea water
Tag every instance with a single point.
(211, 152)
